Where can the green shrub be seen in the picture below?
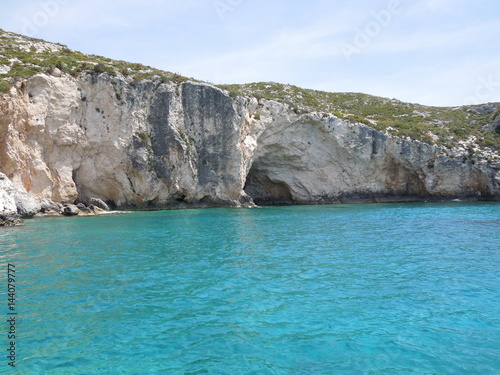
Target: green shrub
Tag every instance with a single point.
(360, 119)
(178, 79)
(101, 68)
(18, 70)
(4, 61)
(144, 137)
(5, 86)
(60, 65)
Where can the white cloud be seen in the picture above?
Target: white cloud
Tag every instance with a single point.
(438, 40)
(278, 52)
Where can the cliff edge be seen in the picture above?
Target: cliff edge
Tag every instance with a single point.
(148, 139)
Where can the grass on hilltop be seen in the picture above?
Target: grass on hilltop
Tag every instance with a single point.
(26, 63)
(444, 126)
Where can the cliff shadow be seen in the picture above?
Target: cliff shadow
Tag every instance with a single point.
(265, 191)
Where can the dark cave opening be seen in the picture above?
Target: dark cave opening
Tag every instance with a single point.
(265, 191)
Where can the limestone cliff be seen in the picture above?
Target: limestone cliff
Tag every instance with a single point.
(66, 139)
(158, 143)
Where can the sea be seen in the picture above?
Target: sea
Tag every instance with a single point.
(408, 288)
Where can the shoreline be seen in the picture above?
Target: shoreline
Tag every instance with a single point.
(96, 211)
(177, 207)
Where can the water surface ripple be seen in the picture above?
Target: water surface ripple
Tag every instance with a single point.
(346, 289)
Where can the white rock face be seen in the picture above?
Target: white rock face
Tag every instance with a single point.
(7, 201)
(27, 205)
(324, 159)
(64, 139)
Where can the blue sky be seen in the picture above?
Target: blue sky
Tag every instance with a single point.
(434, 52)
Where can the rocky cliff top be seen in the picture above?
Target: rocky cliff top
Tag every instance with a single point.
(474, 128)
(23, 57)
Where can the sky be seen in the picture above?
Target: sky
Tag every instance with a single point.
(432, 52)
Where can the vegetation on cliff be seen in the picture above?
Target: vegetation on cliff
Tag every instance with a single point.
(445, 126)
(23, 57)
(465, 126)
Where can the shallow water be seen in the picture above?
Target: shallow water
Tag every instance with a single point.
(343, 289)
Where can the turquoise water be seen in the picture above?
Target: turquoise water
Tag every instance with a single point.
(347, 289)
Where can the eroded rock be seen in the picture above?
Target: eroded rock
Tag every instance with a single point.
(27, 205)
(99, 203)
(71, 210)
(153, 144)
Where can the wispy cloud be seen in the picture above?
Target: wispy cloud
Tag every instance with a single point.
(438, 40)
(432, 50)
(280, 49)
